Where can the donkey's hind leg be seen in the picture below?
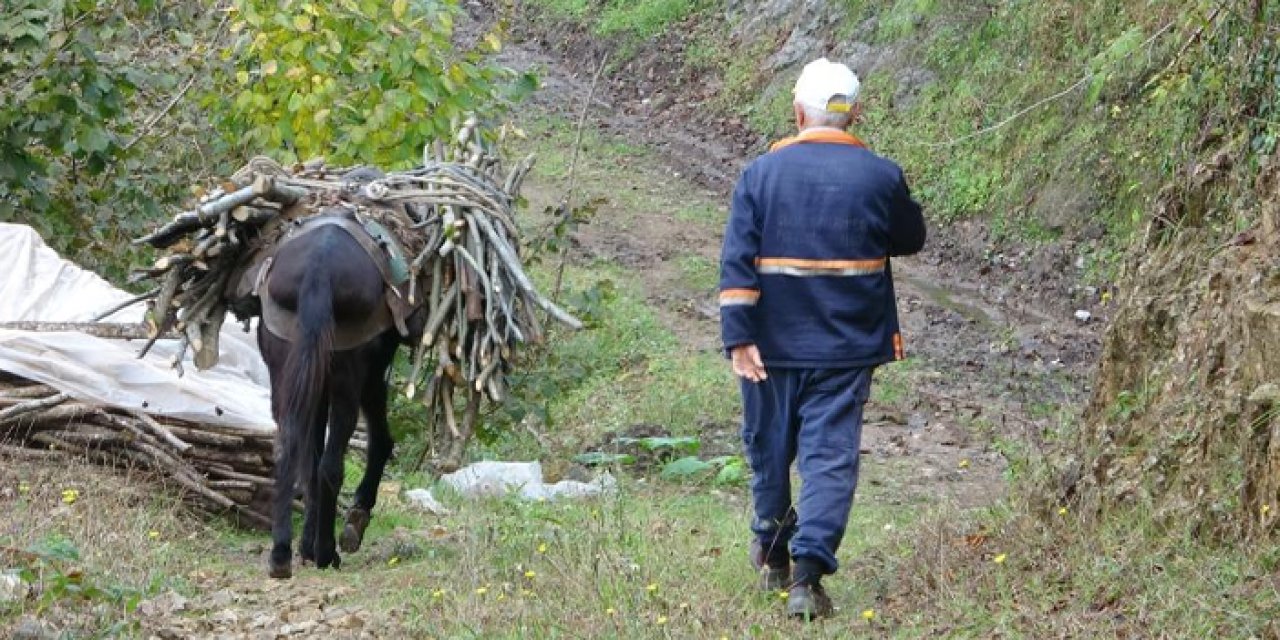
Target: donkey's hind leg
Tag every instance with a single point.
(344, 410)
(280, 562)
(373, 402)
(310, 480)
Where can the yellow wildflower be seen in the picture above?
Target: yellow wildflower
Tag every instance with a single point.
(610, 611)
(964, 463)
(1062, 511)
(662, 620)
(69, 496)
(783, 594)
(869, 614)
(482, 590)
(24, 488)
(530, 574)
(653, 586)
(542, 548)
(153, 534)
(999, 559)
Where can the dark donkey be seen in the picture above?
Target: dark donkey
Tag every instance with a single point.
(328, 338)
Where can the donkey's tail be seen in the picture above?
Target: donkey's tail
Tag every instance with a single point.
(306, 378)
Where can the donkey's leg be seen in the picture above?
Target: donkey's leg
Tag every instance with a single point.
(310, 469)
(373, 402)
(280, 563)
(345, 409)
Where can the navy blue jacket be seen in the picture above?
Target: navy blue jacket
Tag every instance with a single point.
(804, 272)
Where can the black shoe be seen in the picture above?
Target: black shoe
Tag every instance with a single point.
(808, 602)
(772, 576)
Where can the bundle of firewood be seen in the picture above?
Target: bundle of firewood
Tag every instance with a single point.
(454, 216)
(220, 469)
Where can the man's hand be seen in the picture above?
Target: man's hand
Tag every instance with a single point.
(747, 363)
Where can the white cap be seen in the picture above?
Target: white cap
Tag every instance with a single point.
(822, 80)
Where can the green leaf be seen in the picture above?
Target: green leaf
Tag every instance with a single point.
(595, 458)
(732, 472)
(688, 444)
(93, 139)
(685, 468)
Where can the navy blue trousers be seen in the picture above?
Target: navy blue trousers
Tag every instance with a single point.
(812, 417)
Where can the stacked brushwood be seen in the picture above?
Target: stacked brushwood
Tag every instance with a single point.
(219, 469)
(454, 219)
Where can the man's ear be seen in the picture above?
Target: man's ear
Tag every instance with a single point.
(855, 113)
(799, 113)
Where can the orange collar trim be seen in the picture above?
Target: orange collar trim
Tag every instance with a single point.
(826, 136)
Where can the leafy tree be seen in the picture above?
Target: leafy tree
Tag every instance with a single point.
(62, 112)
(87, 117)
(353, 80)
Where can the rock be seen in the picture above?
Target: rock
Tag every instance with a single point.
(222, 598)
(163, 606)
(349, 622)
(225, 619)
(29, 628)
(12, 588)
(911, 82)
(799, 48)
(423, 500)
(1083, 316)
(299, 628)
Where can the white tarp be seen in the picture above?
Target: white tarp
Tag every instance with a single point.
(38, 285)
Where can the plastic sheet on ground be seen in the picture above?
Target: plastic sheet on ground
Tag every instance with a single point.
(491, 478)
(36, 284)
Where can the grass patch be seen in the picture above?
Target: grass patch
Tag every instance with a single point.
(699, 273)
(1044, 570)
(701, 213)
(630, 370)
(645, 19)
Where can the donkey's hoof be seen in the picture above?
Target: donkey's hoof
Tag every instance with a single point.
(280, 562)
(353, 532)
(350, 539)
(334, 561)
(280, 571)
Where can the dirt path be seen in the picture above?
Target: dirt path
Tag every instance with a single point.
(993, 357)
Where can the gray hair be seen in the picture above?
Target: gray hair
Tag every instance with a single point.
(822, 118)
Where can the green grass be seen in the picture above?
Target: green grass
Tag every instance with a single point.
(699, 273)
(631, 21)
(631, 370)
(1069, 574)
(644, 19)
(703, 213)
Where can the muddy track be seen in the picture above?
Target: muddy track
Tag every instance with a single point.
(994, 354)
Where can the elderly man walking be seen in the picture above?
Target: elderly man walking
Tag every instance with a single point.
(807, 311)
